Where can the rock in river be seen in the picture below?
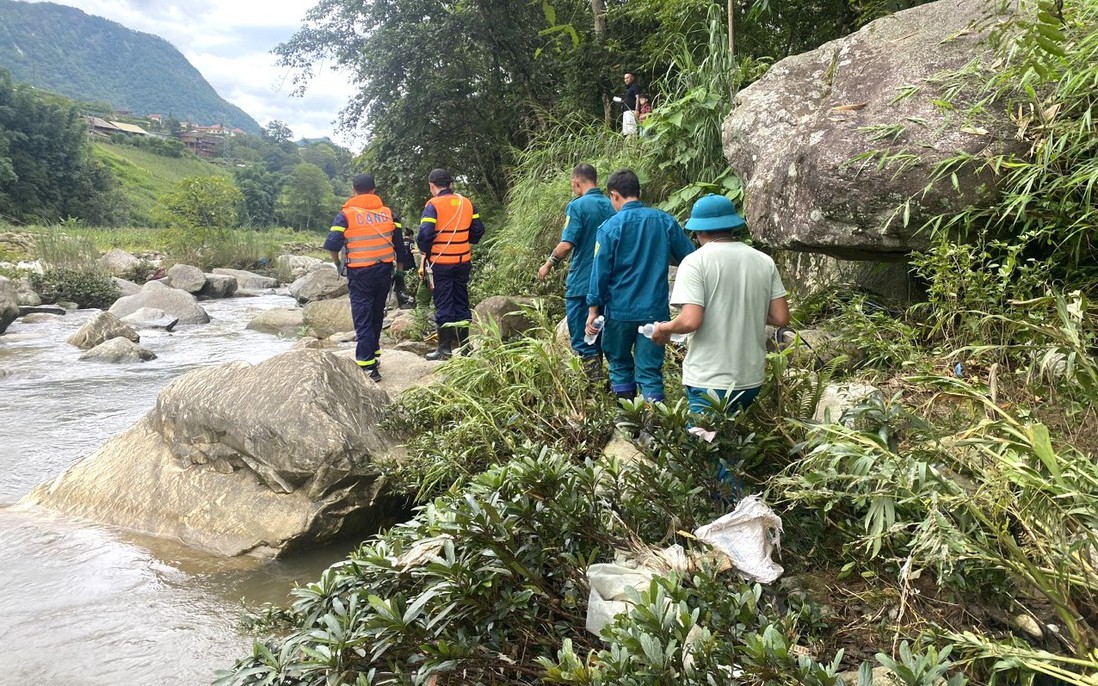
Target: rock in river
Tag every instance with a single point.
(281, 321)
(177, 303)
(319, 284)
(247, 281)
(9, 303)
(186, 278)
(243, 459)
(102, 328)
(118, 350)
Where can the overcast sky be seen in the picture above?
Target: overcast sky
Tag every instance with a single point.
(230, 44)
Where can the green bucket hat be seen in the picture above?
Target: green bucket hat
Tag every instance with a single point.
(714, 213)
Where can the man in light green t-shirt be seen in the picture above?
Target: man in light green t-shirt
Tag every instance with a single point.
(728, 292)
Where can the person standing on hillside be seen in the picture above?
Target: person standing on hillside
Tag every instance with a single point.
(584, 216)
(367, 229)
(728, 292)
(633, 251)
(448, 228)
(628, 102)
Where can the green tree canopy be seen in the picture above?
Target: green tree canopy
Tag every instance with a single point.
(307, 199)
(202, 202)
(46, 168)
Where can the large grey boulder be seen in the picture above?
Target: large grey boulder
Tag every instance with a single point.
(154, 294)
(185, 278)
(319, 284)
(126, 287)
(248, 281)
(298, 265)
(794, 135)
(118, 262)
(281, 321)
(326, 317)
(507, 313)
(118, 350)
(839, 399)
(219, 286)
(26, 295)
(103, 327)
(242, 459)
(9, 303)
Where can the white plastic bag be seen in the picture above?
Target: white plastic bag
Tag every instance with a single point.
(608, 598)
(748, 535)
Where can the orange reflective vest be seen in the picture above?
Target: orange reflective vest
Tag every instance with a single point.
(455, 216)
(369, 232)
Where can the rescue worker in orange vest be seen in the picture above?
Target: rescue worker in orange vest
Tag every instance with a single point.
(449, 226)
(370, 233)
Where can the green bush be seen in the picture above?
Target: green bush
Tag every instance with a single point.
(494, 403)
(85, 287)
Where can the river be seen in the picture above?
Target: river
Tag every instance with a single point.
(89, 605)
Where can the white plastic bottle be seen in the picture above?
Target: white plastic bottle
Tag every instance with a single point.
(600, 321)
(650, 328)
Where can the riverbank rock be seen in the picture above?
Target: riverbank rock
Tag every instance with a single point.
(9, 303)
(219, 286)
(241, 459)
(319, 284)
(794, 135)
(400, 369)
(298, 265)
(118, 350)
(25, 310)
(839, 398)
(403, 325)
(281, 321)
(326, 317)
(186, 278)
(507, 313)
(103, 327)
(25, 294)
(151, 318)
(248, 281)
(118, 262)
(126, 287)
(172, 301)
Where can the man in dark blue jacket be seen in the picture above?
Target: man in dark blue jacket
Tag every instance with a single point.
(633, 251)
(585, 215)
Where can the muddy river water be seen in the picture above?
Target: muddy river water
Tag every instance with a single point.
(83, 604)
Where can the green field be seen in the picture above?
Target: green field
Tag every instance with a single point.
(145, 176)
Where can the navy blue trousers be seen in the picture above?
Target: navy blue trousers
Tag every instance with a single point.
(452, 293)
(369, 289)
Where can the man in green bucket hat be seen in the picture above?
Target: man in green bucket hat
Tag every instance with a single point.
(728, 292)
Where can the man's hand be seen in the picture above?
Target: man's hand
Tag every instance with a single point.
(661, 336)
(590, 329)
(543, 273)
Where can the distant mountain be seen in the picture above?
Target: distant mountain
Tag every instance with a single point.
(93, 59)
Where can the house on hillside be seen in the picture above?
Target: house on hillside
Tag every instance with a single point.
(201, 144)
(131, 129)
(215, 130)
(236, 132)
(158, 118)
(101, 127)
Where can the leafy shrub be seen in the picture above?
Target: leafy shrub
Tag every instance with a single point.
(140, 272)
(493, 403)
(85, 287)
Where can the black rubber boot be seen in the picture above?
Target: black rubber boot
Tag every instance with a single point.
(445, 345)
(461, 339)
(592, 366)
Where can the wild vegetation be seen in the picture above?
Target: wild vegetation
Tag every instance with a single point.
(942, 529)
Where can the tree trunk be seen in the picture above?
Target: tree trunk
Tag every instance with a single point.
(731, 28)
(598, 10)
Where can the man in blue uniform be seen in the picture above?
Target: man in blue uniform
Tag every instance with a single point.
(448, 228)
(585, 215)
(633, 251)
(368, 230)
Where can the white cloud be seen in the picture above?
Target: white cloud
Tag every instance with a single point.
(230, 43)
